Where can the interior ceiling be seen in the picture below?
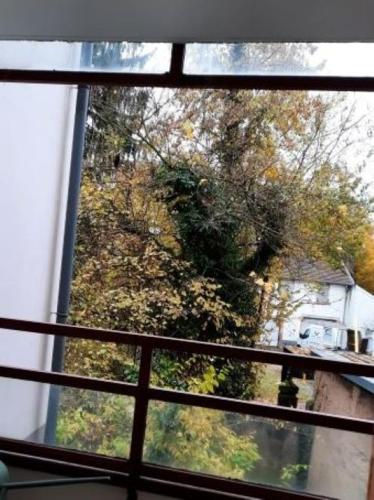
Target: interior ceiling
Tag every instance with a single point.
(188, 20)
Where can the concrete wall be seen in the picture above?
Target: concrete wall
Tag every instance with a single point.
(36, 124)
(340, 460)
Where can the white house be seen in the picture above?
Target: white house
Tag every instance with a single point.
(322, 296)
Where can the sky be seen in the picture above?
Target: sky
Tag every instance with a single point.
(338, 59)
(332, 59)
(354, 59)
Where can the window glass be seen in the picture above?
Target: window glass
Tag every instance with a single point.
(341, 59)
(261, 450)
(86, 420)
(100, 56)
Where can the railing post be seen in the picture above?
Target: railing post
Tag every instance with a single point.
(140, 420)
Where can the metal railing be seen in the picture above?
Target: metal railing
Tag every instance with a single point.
(138, 474)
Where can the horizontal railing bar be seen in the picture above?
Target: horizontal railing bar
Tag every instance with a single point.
(101, 462)
(60, 468)
(181, 80)
(190, 346)
(237, 487)
(67, 380)
(109, 464)
(265, 411)
(45, 483)
(185, 491)
(190, 399)
(153, 484)
(57, 467)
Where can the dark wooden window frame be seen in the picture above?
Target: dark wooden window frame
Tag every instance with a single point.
(175, 78)
(134, 473)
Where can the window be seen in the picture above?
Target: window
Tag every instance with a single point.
(118, 57)
(184, 193)
(279, 59)
(317, 293)
(322, 294)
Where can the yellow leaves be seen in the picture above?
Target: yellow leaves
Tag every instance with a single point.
(199, 439)
(259, 282)
(206, 384)
(364, 268)
(272, 173)
(188, 129)
(343, 210)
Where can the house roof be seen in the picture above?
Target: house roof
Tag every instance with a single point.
(316, 272)
(366, 383)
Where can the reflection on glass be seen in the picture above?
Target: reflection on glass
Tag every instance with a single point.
(110, 361)
(95, 422)
(87, 420)
(98, 56)
(340, 59)
(260, 450)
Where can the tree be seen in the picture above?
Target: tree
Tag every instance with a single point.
(191, 201)
(364, 268)
(216, 185)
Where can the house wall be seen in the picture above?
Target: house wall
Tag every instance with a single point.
(36, 128)
(360, 310)
(351, 306)
(340, 460)
(334, 310)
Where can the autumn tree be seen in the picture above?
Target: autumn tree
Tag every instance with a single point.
(190, 202)
(218, 185)
(364, 265)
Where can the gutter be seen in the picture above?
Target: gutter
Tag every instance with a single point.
(67, 262)
(348, 295)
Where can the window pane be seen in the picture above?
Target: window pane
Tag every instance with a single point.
(89, 421)
(103, 56)
(339, 59)
(260, 450)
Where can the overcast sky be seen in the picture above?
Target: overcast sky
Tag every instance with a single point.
(354, 59)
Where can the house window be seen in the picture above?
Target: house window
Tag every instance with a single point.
(322, 294)
(318, 293)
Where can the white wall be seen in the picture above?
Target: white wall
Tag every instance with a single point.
(36, 124)
(188, 20)
(334, 310)
(360, 310)
(353, 307)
